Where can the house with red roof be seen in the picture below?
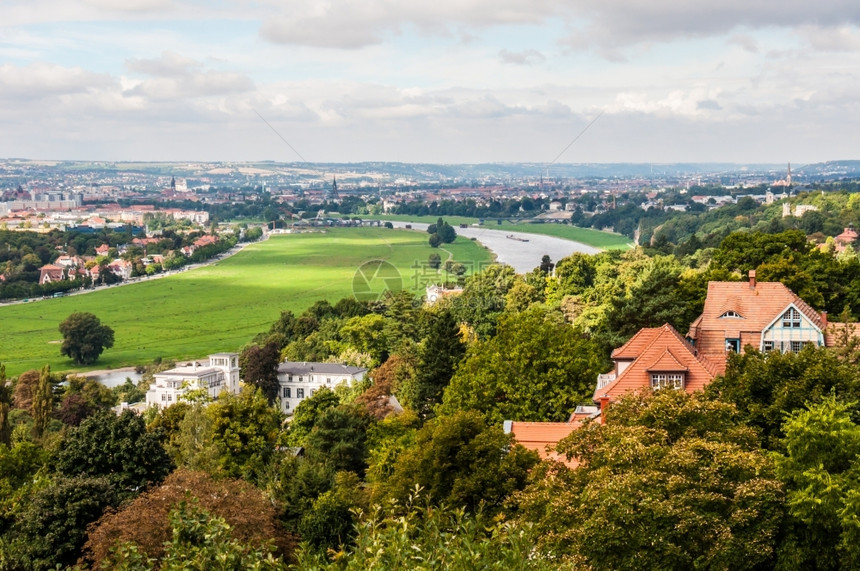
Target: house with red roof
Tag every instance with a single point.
(49, 273)
(764, 315)
(846, 239)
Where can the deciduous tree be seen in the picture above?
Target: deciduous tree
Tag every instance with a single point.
(84, 337)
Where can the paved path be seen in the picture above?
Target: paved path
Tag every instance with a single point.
(523, 256)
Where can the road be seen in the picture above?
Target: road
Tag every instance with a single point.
(523, 252)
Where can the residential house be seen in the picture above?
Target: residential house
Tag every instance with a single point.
(765, 315)
(846, 239)
(300, 380)
(220, 374)
(50, 273)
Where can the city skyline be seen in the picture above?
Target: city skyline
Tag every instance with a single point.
(444, 82)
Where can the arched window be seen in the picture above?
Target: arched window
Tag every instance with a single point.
(791, 319)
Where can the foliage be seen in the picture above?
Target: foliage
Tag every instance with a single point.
(5, 407)
(329, 523)
(339, 438)
(438, 356)
(117, 448)
(43, 402)
(259, 367)
(84, 337)
(199, 542)
(308, 411)
(461, 461)
(483, 299)
(671, 481)
(766, 386)
(245, 428)
(821, 472)
(536, 368)
(413, 536)
(51, 529)
(145, 521)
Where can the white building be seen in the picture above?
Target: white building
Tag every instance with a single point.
(221, 373)
(299, 381)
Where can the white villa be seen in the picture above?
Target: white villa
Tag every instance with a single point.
(298, 380)
(221, 373)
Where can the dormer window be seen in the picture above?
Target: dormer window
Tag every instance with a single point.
(667, 381)
(731, 313)
(791, 319)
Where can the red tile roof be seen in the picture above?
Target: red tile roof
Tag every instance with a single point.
(666, 351)
(543, 436)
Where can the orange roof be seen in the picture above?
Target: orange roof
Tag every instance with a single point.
(667, 352)
(757, 306)
(633, 348)
(543, 436)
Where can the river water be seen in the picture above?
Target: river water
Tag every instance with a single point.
(523, 252)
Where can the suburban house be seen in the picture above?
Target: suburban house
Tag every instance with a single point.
(50, 273)
(300, 380)
(766, 316)
(220, 374)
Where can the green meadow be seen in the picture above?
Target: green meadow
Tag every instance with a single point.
(222, 306)
(587, 236)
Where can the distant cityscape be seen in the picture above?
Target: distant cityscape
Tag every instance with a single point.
(43, 195)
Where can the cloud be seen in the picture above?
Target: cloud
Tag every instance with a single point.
(527, 57)
(176, 76)
(835, 39)
(45, 80)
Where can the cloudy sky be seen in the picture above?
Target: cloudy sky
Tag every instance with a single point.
(445, 81)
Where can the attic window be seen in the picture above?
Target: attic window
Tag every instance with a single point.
(731, 313)
(791, 319)
(667, 381)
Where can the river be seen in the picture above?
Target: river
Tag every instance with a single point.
(523, 252)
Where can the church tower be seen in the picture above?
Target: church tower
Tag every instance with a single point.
(788, 177)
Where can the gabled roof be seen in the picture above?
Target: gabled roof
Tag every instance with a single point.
(759, 305)
(665, 351)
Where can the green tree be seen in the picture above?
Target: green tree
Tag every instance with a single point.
(5, 407)
(43, 402)
(766, 386)
(671, 481)
(536, 368)
(439, 354)
(259, 367)
(308, 411)
(246, 428)
(821, 471)
(339, 438)
(115, 447)
(434, 260)
(461, 461)
(423, 537)
(483, 298)
(84, 337)
(52, 528)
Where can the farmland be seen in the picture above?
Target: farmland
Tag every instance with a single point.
(219, 307)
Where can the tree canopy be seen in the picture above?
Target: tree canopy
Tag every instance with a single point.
(84, 337)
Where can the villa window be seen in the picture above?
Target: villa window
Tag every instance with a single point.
(290, 378)
(286, 392)
(768, 346)
(791, 319)
(733, 345)
(667, 381)
(163, 397)
(328, 380)
(796, 346)
(730, 313)
(300, 393)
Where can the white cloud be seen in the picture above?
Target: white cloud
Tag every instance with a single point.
(526, 57)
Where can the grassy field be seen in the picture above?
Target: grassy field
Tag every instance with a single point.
(219, 307)
(588, 236)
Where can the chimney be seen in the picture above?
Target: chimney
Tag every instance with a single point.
(823, 320)
(752, 279)
(604, 406)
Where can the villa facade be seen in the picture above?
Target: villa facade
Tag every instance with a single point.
(219, 374)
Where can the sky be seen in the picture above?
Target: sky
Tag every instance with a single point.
(435, 81)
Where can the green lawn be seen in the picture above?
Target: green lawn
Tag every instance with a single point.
(219, 307)
(587, 236)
